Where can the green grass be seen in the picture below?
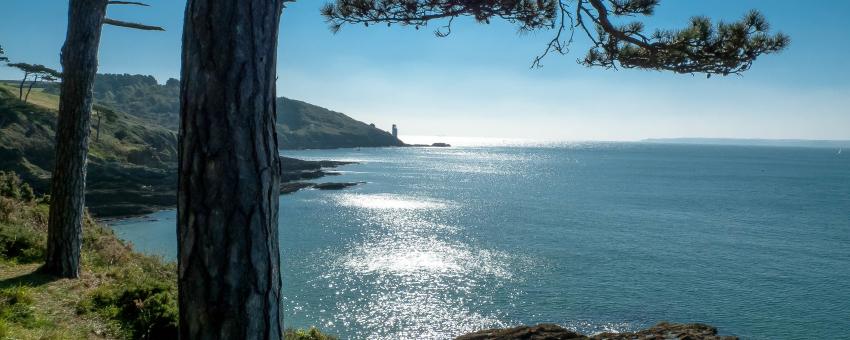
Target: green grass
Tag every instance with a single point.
(37, 96)
(120, 293)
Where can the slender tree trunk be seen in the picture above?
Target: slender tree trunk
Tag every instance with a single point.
(79, 65)
(21, 87)
(35, 80)
(97, 137)
(228, 255)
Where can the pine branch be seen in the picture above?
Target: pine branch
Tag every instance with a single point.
(132, 25)
(127, 3)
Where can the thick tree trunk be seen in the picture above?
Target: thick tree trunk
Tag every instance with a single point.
(228, 255)
(79, 66)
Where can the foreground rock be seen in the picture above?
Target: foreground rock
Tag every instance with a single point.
(661, 331)
(294, 171)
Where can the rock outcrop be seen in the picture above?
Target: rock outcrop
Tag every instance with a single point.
(294, 171)
(661, 331)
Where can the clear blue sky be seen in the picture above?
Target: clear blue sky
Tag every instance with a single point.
(477, 82)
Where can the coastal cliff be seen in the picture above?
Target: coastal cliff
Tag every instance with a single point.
(300, 125)
(303, 125)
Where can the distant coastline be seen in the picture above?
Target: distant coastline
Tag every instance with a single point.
(807, 143)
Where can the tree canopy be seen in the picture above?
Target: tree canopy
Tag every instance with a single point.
(38, 70)
(618, 39)
(2, 54)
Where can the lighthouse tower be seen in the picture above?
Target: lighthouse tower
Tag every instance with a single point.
(395, 131)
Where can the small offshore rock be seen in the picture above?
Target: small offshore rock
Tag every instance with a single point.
(335, 186)
(288, 188)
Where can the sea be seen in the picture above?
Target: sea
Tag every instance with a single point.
(596, 237)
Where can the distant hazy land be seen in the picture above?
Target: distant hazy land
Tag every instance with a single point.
(808, 143)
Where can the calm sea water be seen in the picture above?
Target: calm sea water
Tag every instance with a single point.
(596, 237)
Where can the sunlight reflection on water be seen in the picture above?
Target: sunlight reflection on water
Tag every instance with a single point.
(387, 201)
(594, 237)
(408, 278)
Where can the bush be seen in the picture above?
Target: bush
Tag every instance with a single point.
(21, 244)
(10, 185)
(121, 134)
(147, 311)
(27, 194)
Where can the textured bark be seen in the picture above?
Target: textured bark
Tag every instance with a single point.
(228, 255)
(79, 64)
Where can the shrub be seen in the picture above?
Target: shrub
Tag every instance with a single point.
(27, 194)
(121, 134)
(146, 311)
(101, 247)
(10, 185)
(21, 244)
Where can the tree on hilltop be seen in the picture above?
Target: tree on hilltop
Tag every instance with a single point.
(228, 256)
(38, 73)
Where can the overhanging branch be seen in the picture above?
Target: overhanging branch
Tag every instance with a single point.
(132, 25)
(127, 3)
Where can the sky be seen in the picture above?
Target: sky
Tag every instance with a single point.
(477, 82)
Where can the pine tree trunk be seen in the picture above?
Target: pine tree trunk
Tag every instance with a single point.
(79, 66)
(228, 255)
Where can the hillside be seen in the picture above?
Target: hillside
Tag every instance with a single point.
(300, 125)
(131, 167)
(305, 126)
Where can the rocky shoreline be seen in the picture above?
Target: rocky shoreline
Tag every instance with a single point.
(119, 190)
(294, 171)
(661, 331)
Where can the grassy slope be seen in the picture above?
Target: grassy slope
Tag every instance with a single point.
(37, 97)
(131, 166)
(36, 306)
(140, 134)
